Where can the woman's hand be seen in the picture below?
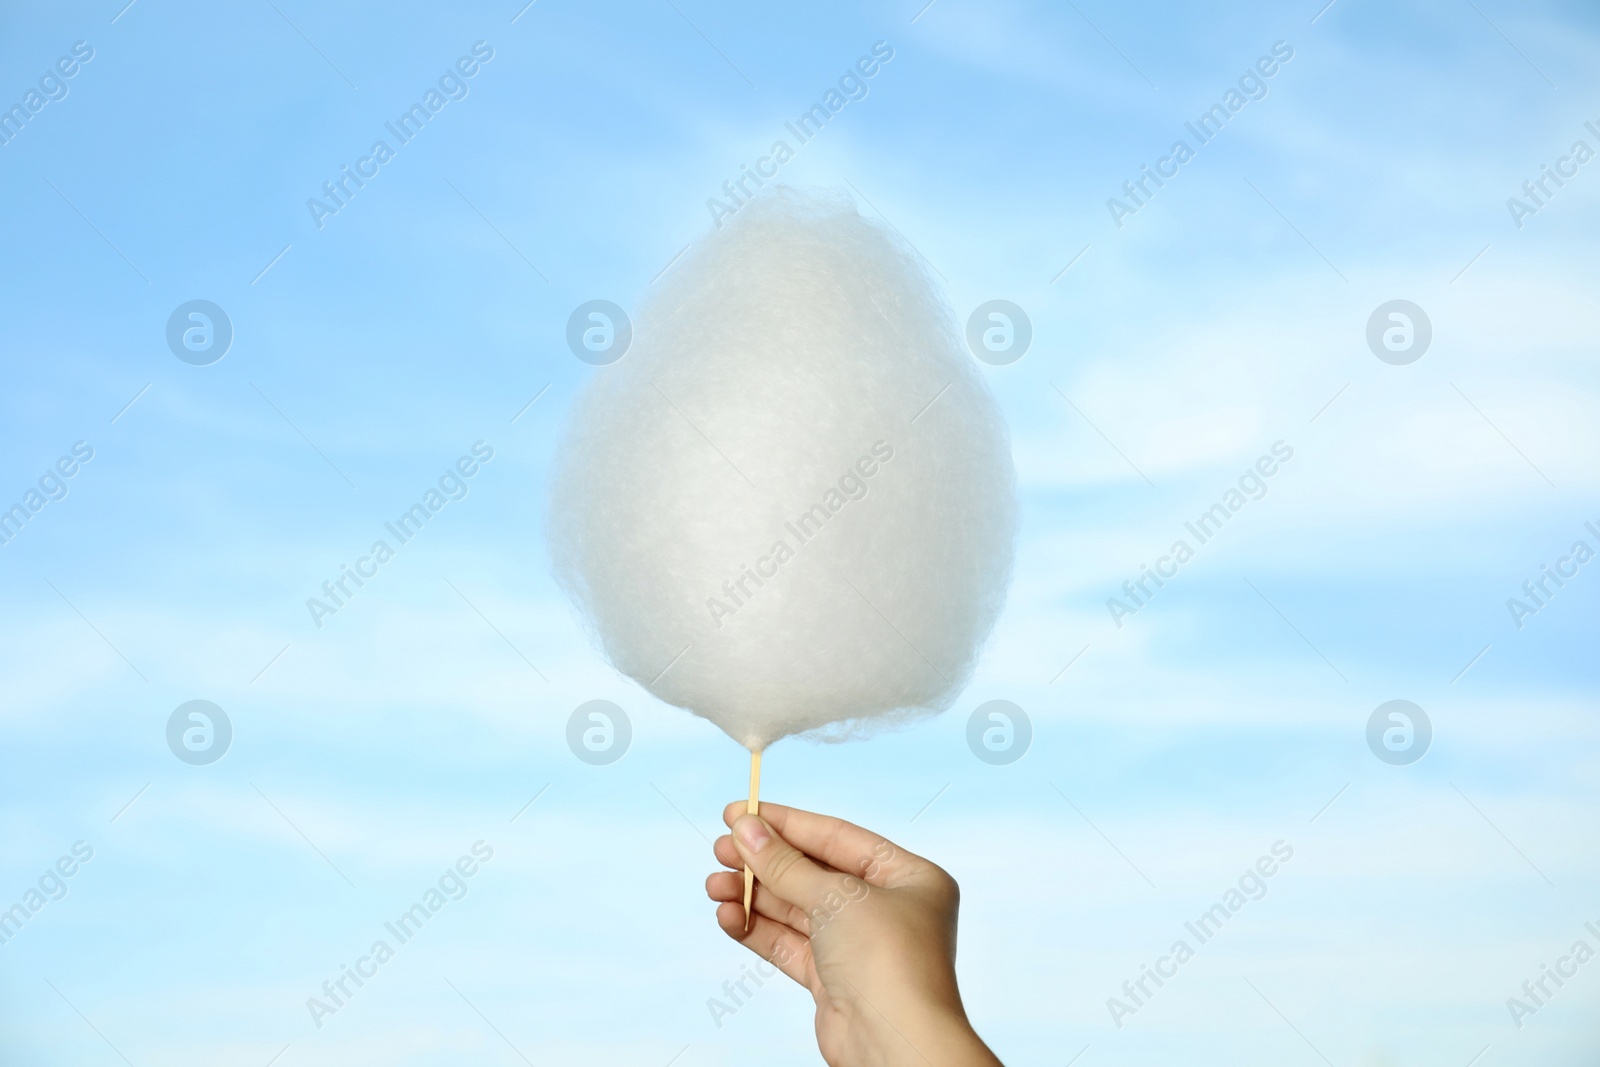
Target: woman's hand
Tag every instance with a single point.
(866, 927)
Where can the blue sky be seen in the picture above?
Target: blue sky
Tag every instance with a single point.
(1227, 314)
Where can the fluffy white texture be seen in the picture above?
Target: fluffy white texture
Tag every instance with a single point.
(781, 359)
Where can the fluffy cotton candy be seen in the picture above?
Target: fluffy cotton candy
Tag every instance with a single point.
(790, 507)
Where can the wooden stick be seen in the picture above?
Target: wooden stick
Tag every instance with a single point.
(752, 807)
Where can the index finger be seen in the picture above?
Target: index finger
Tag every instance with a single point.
(844, 846)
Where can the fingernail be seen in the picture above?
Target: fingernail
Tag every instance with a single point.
(753, 832)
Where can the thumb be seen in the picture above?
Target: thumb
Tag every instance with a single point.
(783, 869)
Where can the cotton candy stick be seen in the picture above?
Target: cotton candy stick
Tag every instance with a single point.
(752, 807)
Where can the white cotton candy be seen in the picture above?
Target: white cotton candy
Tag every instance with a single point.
(790, 507)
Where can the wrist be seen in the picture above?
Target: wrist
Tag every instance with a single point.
(956, 1044)
(930, 1037)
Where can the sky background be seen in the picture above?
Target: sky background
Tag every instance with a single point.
(1168, 754)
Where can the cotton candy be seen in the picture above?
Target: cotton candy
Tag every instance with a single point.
(790, 507)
